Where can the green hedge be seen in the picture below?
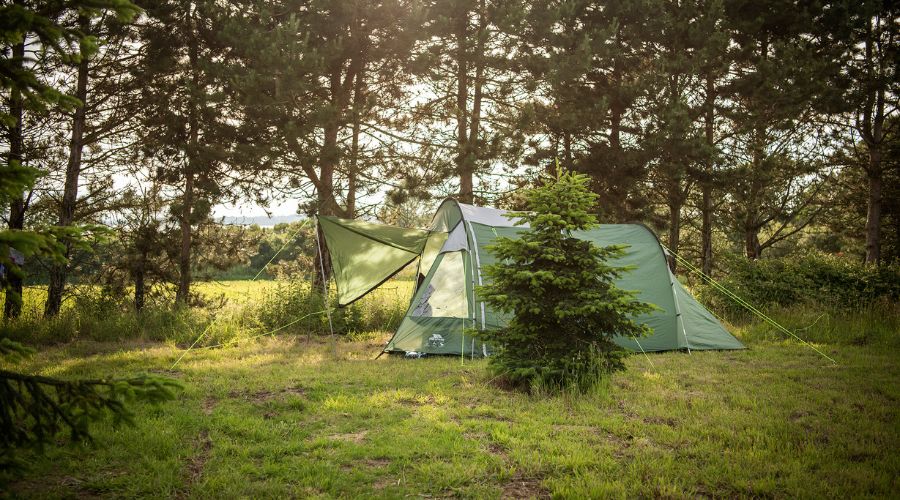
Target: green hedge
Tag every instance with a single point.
(826, 280)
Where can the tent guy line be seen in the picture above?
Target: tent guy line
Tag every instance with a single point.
(364, 255)
(743, 303)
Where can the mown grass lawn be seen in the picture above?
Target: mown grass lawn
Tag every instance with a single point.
(284, 417)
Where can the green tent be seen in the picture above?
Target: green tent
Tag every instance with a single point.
(451, 256)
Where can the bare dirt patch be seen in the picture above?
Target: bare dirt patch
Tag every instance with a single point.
(208, 405)
(499, 450)
(520, 486)
(668, 421)
(624, 409)
(266, 395)
(621, 444)
(384, 483)
(198, 461)
(350, 437)
(377, 463)
(799, 414)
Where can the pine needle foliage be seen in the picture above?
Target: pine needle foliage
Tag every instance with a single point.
(35, 410)
(560, 294)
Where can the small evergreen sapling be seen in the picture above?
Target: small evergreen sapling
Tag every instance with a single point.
(560, 294)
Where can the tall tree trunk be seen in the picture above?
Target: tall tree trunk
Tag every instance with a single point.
(751, 241)
(462, 105)
(675, 202)
(752, 216)
(873, 214)
(676, 194)
(139, 286)
(873, 134)
(470, 145)
(12, 306)
(330, 154)
(352, 172)
(706, 208)
(182, 294)
(184, 255)
(59, 272)
(706, 212)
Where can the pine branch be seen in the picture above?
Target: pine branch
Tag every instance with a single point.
(35, 409)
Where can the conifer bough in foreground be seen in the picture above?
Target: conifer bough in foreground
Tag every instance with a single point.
(34, 409)
(559, 292)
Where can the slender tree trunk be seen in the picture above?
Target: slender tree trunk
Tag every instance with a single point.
(675, 203)
(330, 154)
(873, 214)
(469, 146)
(706, 249)
(706, 208)
(752, 216)
(59, 272)
(751, 242)
(462, 105)
(12, 306)
(182, 295)
(184, 257)
(873, 134)
(139, 287)
(326, 200)
(675, 191)
(358, 98)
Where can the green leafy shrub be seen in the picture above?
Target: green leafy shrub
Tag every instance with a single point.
(824, 280)
(560, 294)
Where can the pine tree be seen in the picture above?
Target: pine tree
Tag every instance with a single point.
(100, 131)
(782, 63)
(588, 76)
(24, 90)
(465, 65)
(187, 119)
(674, 140)
(319, 84)
(34, 409)
(559, 291)
(871, 50)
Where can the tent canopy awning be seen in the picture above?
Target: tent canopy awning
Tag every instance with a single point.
(364, 255)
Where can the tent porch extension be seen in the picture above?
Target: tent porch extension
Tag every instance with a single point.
(451, 256)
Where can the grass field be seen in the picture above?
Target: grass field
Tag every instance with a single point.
(299, 415)
(288, 417)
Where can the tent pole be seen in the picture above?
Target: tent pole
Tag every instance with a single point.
(325, 287)
(462, 346)
(678, 318)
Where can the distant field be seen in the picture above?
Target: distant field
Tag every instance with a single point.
(227, 311)
(235, 291)
(288, 418)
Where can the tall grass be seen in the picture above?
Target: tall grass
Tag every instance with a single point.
(231, 311)
(237, 310)
(865, 324)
